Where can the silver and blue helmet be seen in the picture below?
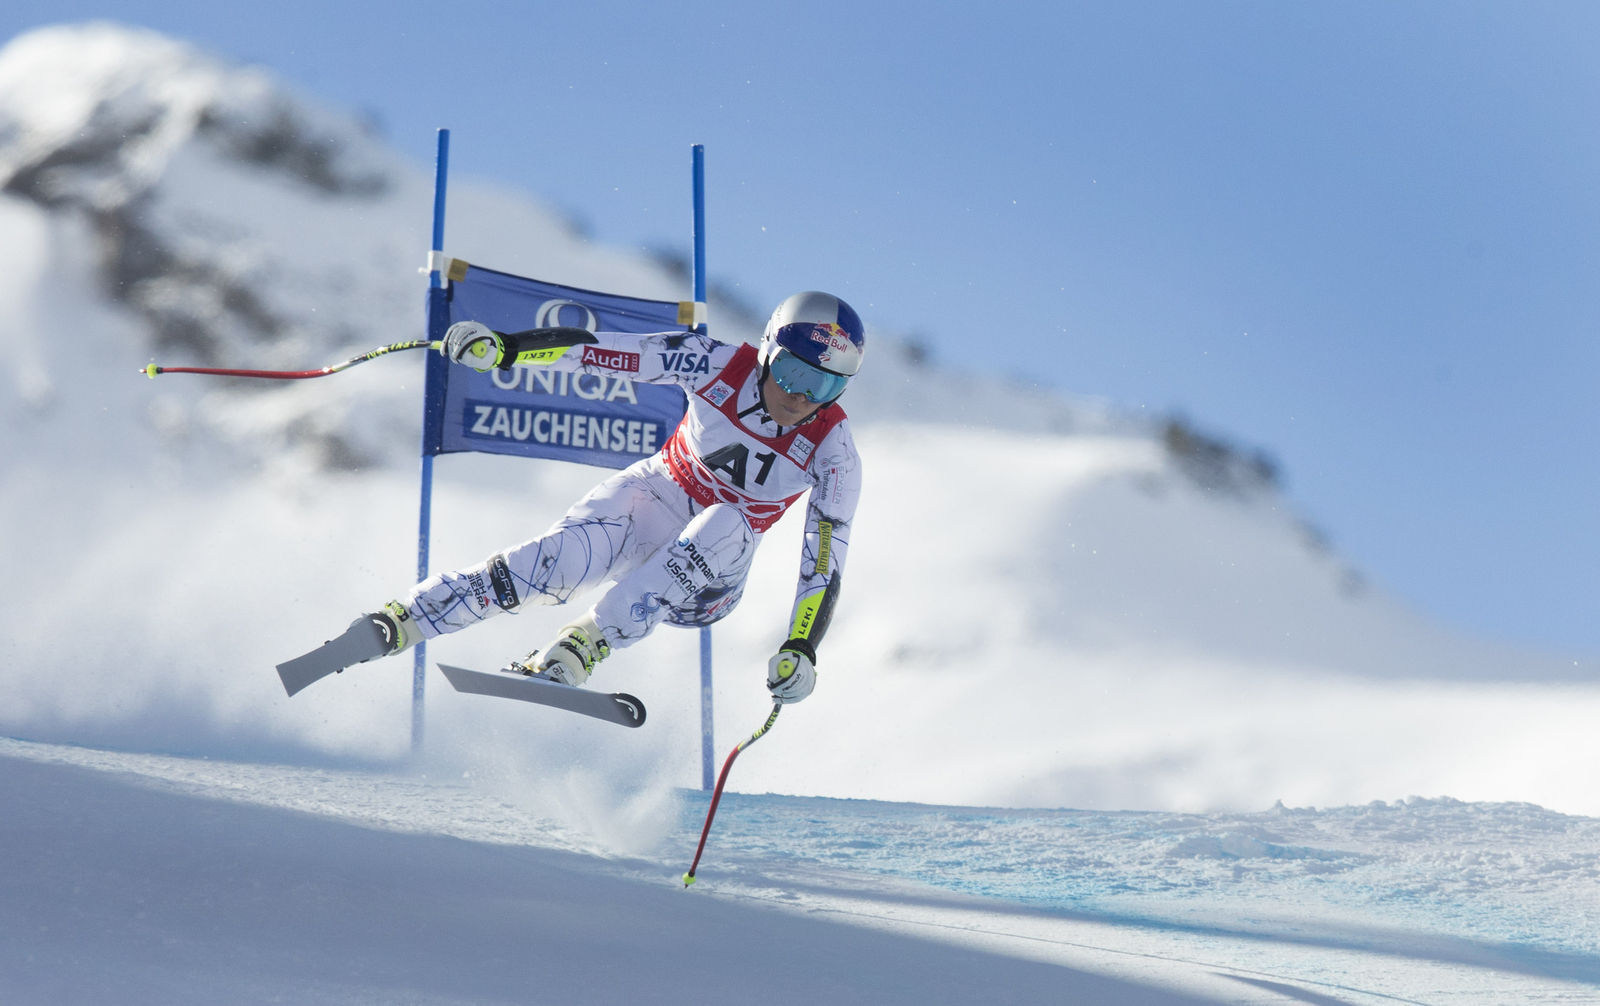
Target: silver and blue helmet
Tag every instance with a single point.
(813, 345)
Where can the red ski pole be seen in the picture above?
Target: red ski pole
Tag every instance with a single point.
(293, 375)
(716, 794)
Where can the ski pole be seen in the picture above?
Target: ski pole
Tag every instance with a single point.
(294, 375)
(716, 794)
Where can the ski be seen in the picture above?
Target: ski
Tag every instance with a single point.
(615, 707)
(364, 640)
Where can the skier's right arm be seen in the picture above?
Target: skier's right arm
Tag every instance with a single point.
(686, 359)
(476, 345)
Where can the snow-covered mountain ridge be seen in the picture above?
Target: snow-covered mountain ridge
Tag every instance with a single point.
(244, 224)
(1050, 603)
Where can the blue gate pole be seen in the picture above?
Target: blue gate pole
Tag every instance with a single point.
(707, 741)
(435, 321)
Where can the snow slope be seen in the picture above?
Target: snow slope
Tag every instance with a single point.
(141, 879)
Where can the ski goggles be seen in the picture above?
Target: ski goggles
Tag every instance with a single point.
(798, 377)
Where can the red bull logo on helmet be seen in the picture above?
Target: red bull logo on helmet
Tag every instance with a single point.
(833, 336)
(839, 352)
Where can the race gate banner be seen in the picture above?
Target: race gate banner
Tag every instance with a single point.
(536, 411)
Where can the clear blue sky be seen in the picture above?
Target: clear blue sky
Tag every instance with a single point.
(1362, 236)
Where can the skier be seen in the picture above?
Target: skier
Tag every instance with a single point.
(674, 532)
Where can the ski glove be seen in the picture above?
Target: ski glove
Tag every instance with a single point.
(792, 672)
(475, 345)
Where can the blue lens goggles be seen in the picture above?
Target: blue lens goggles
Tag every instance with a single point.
(798, 377)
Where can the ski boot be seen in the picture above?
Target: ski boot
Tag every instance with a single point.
(571, 658)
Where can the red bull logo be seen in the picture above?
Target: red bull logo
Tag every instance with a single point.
(833, 336)
(840, 353)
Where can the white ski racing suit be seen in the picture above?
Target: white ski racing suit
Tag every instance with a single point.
(676, 531)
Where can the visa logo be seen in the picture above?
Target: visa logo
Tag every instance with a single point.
(686, 363)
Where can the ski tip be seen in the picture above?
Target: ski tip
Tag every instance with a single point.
(631, 707)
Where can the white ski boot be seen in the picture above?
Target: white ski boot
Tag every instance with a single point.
(571, 658)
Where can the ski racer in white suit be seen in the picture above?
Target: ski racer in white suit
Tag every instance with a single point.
(676, 531)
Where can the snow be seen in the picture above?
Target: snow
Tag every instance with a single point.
(1085, 728)
(143, 878)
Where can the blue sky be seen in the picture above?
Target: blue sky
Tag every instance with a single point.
(1360, 236)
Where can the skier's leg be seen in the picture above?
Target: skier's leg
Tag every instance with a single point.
(598, 535)
(711, 556)
(609, 532)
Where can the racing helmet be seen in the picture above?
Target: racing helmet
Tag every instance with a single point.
(813, 345)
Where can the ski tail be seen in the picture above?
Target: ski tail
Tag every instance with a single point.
(362, 641)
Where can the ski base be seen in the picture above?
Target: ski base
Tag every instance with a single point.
(362, 641)
(614, 707)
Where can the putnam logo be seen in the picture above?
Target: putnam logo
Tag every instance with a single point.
(611, 359)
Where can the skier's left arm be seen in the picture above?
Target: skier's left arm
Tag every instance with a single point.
(830, 512)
